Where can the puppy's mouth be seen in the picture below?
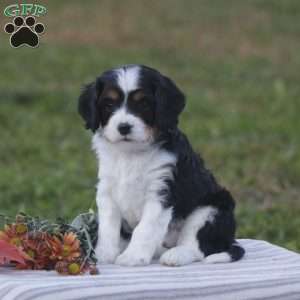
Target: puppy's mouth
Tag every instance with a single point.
(126, 139)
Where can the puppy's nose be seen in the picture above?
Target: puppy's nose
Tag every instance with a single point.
(124, 128)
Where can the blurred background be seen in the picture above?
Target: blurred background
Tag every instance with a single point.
(238, 63)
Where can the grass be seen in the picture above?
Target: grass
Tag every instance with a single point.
(238, 63)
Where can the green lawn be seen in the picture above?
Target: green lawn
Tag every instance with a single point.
(238, 63)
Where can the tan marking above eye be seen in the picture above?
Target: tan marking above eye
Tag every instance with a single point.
(112, 94)
(137, 96)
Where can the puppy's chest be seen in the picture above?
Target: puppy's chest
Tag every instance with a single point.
(130, 189)
(131, 177)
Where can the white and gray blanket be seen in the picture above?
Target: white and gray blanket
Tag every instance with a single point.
(266, 272)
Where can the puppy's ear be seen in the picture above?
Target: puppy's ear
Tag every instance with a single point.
(170, 102)
(87, 104)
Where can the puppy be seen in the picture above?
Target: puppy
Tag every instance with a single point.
(155, 197)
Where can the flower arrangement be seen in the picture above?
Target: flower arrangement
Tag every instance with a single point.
(31, 243)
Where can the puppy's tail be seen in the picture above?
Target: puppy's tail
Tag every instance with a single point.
(234, 253)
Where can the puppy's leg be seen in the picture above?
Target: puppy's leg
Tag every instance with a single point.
(160, 250)
(187, 249)
(147, 236)
(123, 244)
(108, 245)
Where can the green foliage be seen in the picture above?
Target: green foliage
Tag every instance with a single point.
(238, 63)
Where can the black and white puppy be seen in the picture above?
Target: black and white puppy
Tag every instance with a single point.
(155, 197)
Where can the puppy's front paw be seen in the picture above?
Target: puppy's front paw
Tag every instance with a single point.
(106, 255)
(130, 258)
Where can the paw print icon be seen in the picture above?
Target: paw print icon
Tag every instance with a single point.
(24, 31)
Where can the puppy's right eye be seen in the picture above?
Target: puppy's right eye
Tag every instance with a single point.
(108, 103)
(107, 100)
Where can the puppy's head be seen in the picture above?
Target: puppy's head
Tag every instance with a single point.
(131, 104)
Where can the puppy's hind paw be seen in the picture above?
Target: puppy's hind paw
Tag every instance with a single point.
(179, 256)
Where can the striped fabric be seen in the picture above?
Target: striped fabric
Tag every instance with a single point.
(266, 272)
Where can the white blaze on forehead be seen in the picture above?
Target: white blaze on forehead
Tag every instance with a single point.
(128, 79)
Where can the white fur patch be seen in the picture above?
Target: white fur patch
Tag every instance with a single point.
(128, 78)
(195, 221)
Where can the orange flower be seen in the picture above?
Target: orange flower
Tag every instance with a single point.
(66, 247)
(36, 246)
(14, 234)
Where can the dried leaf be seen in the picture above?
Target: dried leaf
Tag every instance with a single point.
(10, 253)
